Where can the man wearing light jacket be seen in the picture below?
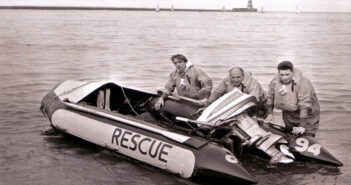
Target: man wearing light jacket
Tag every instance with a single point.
(295, 96)
(241, 80)
(188, 80)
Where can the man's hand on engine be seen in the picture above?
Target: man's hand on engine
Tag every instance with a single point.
(159, 103)
(201, 102)
(269, 118)
(298, 130)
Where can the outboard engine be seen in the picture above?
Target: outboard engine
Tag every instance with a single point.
(234, 106)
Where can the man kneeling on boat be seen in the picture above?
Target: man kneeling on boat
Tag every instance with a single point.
(188, 80)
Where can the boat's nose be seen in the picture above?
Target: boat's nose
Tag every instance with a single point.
(313, 150)
(216, 161)
(235, 171)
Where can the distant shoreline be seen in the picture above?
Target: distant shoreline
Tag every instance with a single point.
(127, 8)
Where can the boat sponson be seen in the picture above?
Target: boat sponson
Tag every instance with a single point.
(50, 103)
(133, 142)
(307, 147)
(212, 160)
(168, 154)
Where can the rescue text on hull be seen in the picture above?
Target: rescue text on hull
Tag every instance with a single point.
(127, 124)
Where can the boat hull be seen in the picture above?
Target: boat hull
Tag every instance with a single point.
(176, 153)
(305, 147)
(127, 141)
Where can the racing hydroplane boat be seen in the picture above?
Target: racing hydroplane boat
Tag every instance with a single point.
(176, 138)
(122, 119)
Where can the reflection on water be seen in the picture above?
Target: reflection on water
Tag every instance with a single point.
(39, 48)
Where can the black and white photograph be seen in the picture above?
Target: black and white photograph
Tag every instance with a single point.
(169, 92)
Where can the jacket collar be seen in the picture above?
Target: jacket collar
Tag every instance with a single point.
(187, 66)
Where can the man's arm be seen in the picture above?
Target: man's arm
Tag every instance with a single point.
(218, 92)
(304, 103)
(205, 83)
(255, 89)
(171, 83)
(169, 88)
(270, 101)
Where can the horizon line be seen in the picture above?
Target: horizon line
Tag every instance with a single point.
(46, 7)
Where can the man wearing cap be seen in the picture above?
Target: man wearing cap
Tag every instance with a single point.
(295, 96)
(239, 79)
(188, 80)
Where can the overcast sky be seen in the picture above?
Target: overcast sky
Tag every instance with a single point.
(268, 5)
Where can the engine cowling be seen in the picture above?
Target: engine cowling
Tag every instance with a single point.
(234, 105)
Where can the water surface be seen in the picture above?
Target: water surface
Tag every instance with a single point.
(40, 48)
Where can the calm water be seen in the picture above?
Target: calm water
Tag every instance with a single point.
(39, 48)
